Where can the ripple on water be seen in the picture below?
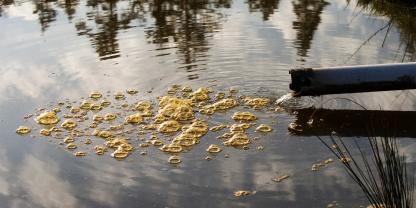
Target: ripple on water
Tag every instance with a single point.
(291, 102)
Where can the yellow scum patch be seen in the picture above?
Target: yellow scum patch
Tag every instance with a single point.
(213, 148)
(145, 108)
(95, 95)
(190, 134)
(123, 148)
(264, 128)
(175, 108)
(237, 140)
(45, 132)
(119, 96)
(132, 91)
(256, 102)
(134, 119)
(100, 150)
(47, 118)
(241, 193)
(223, 104)
(23, 130)
(169, 126)
(110, 116)
(174, 159)
(69, 124)
(244, 116)
(218, 127)
(86, 105)
(173, 114)
(201, 94)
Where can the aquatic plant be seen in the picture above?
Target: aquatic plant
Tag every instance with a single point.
(382, 173)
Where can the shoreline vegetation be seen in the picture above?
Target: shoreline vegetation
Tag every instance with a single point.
(401, 14)
(376, 165)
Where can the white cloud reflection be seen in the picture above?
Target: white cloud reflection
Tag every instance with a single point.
(44, 185)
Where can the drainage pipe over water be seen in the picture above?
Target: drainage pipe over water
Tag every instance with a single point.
(353, 79)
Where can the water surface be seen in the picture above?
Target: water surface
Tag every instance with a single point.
(56, 50)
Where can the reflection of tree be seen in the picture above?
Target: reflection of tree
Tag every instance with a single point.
(267, 7)
(180, 23)
(5, 3)
(400, 16)
(187, 24)
(104, 29)
(308, 14)
(46, 13)
(69, 6)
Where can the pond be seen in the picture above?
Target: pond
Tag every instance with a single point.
(60, 51)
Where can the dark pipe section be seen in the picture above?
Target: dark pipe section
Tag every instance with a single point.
(353, 79)
(354, 123)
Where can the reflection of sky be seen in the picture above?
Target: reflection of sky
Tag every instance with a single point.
(245, 51)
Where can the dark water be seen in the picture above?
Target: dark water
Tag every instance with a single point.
(56, 50)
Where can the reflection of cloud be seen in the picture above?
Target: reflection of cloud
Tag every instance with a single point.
(24, 10)
(4, 171)
(27, 80)
(107, 179)
(43, 184)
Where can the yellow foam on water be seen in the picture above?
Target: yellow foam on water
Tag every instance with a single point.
(100, 150)
(47, 118)
(95, 95)
(69, 124)
(45, 132)
(119, 96)
(280, 178)
(213, 148)
(174, 159)
(218, 127)
(244, 116)
(69, 139)
(256, 102)
(223, 104)
(86, 105)
(105, 103)
(201, 94)
(219, 96)
(98, 118)
(71, 146)
(134, 119)
(238, 139)
(110, 116)
(145, 108)
(264, 128)
(96, 107)
(123, 148)
(23, 130)
(171, 148)
(132, 91)
(80, 154)
(175, 112)
(175, 108)
(241, 193)
(186, 89)
(102, 133)
(143, 145)
(74, 110)
(169, 126)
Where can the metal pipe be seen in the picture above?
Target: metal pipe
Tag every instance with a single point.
(353, 79)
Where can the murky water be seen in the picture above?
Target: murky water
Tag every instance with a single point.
(53, 51)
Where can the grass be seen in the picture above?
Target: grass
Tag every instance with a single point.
(382, 173)
(401, 14)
